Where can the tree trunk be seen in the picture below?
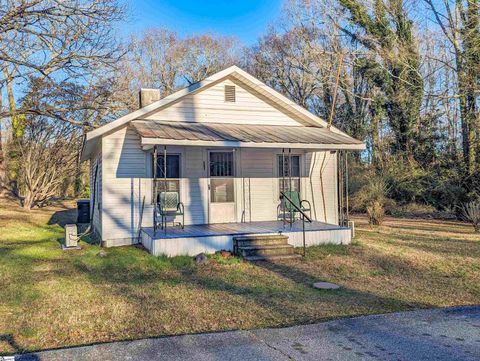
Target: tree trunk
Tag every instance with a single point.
(18, 124)
(375, 139)
(28, 201)
(77, 185)
(468, 68)
(2, 158)
(18, 128)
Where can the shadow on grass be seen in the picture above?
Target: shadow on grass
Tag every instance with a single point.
(459, 228)
(428, 243)
(63, 217)
(348, 295)
(286, 291)
(10, 340)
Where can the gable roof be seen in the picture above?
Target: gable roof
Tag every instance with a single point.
(234, 71)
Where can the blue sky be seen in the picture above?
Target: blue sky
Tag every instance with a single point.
(244, 19)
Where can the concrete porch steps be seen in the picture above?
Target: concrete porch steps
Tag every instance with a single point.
(263, 247)
(261, 240)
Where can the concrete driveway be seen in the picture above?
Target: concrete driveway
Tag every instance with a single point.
(443, 334)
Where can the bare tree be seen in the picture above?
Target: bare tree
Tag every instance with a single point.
(55, 39)
(285, 62)
(153, 61)
(305, 54)
(56, 62)
(161, 59)
(460, 23)
(2, 156)
(205, 55)
(47, 154)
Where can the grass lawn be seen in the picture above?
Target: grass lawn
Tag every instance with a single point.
(50, 298)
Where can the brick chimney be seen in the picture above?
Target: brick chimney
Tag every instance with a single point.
(148, 96)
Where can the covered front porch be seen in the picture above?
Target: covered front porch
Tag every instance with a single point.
(222, 181)
(208, 238)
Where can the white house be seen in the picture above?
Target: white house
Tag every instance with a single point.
(232, 144)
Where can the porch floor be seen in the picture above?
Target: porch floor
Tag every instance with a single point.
(235, 229)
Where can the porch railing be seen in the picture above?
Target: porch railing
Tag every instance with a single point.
(303, 216)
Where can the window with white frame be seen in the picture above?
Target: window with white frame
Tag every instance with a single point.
(170, 182)
(289, 173)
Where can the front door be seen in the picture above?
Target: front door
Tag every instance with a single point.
(221, 184)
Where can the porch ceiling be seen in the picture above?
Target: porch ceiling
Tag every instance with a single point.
(242, 135)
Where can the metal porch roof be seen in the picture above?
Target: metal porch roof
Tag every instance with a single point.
(242, 133)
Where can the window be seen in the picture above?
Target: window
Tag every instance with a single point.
(221, 177)
(172, 181)
(287, 172)
(221, 164)
(230, 93)
(173, 166)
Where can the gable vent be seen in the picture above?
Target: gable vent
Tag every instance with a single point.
(230, 93)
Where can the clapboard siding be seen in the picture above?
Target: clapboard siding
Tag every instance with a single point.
(127, 184)
(124, 173)
(194, 186)
(322, 191)
(259, 179)
(209, 106)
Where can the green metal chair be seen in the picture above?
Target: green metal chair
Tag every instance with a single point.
(287, 208)
(168, 205)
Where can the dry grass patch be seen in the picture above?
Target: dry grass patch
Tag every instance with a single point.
(51, 298)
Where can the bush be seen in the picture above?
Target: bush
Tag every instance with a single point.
(372, 198)
(375, 213)
(85, 191)
(410, 189)
(471, 211)
(406, 180)
(416, 208)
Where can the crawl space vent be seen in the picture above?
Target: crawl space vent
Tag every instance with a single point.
(230, 93)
